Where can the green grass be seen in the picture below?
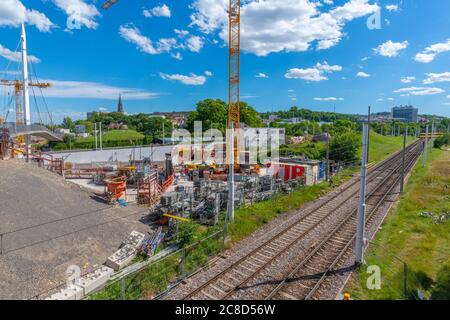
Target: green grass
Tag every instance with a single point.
(248, 219)
(112, 138)
(116, 135)
(381, 147)
(419, 241)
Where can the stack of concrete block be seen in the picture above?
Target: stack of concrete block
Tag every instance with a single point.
(84, 285)
(72, 292)
(122, 257)
(95, 280)
(127, 252)
(135, 239)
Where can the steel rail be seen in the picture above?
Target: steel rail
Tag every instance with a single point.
(339, 228)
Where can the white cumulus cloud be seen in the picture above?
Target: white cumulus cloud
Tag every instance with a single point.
(316, 73)
(262, 75)
(13, 13)
(362, 74)
(159, 11)
(145, 44)
(93, 90)
(391, 49)
(407, 79)
(15, 56)
(79, 12)
(190, 80)
(430, 53)
(437, 77)
(269, 26)
(195, 43)
(392, 7)
(329, 99)
(419, 91)
(164, 45)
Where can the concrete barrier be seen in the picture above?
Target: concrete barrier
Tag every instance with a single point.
(95, 280)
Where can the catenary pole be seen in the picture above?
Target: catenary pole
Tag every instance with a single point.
(425, 147)
(402, 181)
(362, 202)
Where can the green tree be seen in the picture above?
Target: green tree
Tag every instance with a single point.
(214, 113)
(68, 124)
(250, 116)
(344, 147)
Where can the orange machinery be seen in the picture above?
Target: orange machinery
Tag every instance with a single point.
(116, 188)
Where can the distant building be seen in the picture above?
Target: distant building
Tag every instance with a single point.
(80, 129)
(176, 118)
(405, 114)
(120, 105)
(62, 131)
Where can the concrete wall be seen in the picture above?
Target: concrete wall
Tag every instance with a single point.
(114, 154)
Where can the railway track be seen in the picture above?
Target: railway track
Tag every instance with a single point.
(305, 281)
(233, 278)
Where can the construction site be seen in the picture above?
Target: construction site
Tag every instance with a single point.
(86, 224)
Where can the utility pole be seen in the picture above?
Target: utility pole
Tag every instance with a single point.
(362, 202)
(402, 180)
(95, 134)
(368, 134)
(425, 148)
(327, 168)
(431, 137)
(163, 132)
(101, 138)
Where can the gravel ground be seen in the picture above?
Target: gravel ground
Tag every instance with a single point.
(48, 224)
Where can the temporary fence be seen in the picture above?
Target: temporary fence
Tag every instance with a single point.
(154, 279)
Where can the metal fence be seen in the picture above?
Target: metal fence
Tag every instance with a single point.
(153, 280)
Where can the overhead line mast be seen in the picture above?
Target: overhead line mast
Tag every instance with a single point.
(234, 76)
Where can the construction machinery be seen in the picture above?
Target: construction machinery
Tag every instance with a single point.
(234, 64)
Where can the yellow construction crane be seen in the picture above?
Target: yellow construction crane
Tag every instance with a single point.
(18, 87)
(234, 75)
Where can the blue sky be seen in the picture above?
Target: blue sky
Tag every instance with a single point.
(166, 55)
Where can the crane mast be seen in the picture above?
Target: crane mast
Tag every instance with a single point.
(234, 80)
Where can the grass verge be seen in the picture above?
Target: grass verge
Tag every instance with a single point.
(421, 242)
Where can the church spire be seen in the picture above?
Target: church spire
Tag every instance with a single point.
(120, 105)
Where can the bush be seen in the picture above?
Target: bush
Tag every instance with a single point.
(442, 141)
(186, 233)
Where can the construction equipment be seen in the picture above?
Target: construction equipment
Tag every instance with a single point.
(176, 217)
(108, 4)
(18, 93)
(234, 64)
(115, 189)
